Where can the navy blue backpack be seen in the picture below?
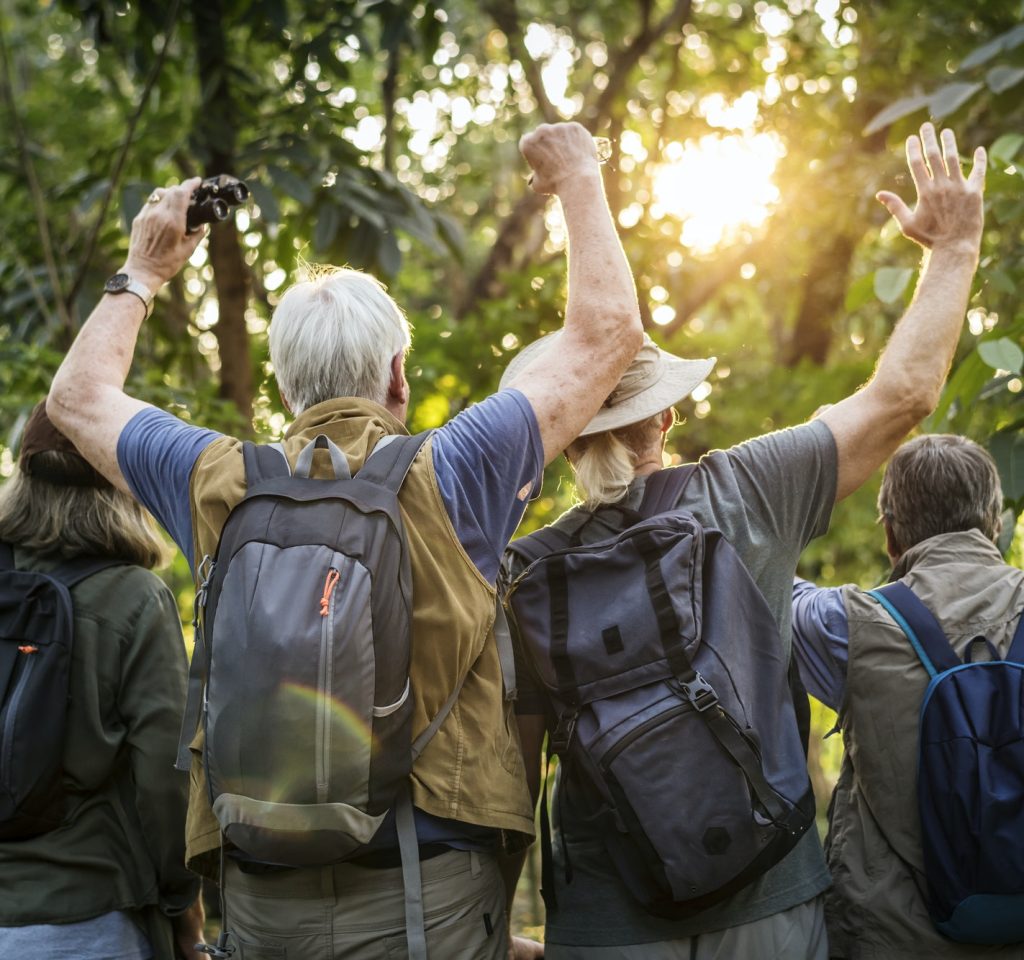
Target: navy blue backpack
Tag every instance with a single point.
(970, 778)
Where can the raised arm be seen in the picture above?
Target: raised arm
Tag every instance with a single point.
(87, 401)
(947, 221)
(602, 332)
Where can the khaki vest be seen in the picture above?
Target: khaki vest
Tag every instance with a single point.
(472, 770)
(876, 909)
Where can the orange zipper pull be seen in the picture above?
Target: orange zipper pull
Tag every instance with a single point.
(29, 648)
(333, 576)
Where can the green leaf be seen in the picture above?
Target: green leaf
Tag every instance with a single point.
(896, 111)
(265, 200)
(1001, 78)
(1002, 354)
(328, 219)
(1007, 449)
(389, 257)
(984, 53)
(950, 98)
(890, 282)
(292, 184)
(860, 292)
(1006, 147)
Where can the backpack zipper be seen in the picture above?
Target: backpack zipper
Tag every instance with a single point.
(323, 734)
(9, 716)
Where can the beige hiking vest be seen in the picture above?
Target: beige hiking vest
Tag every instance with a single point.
(472, 770)
(876, 909)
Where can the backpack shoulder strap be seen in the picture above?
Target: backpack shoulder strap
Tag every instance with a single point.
(391, 459)
(70, 572)
(264, 462)
(664, 488)
(920, 626)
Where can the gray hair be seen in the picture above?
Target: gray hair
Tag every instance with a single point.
(70, 521)
(605, 463)
(940, 483)
(334, 335)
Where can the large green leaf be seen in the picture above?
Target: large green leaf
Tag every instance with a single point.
(891, 282)
(1007, 449)
(1002, 354)
(950, 98)
(896, 111)
(1005, 147)
(1002, 78)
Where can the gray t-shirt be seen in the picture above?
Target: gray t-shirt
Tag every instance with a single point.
(110, 936)
(769, 497)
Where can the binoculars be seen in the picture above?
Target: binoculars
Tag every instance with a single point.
(213, 199)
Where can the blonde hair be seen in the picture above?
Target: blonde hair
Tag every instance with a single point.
(70, 521)
(605, 463)
(333, 335)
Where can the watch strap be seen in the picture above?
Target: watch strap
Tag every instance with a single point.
(138, 290)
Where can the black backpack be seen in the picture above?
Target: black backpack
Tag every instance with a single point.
(674, 710)
(36, 635)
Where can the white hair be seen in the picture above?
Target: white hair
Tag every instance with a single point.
(334, 335)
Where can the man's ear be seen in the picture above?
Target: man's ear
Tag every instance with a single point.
(284, 400)
(667, 419)
(398, 386)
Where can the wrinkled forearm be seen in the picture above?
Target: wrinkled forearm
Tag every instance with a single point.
(602, 302)
(914, 365)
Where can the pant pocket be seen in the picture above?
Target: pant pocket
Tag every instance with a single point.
(477, 935)
(260, 951)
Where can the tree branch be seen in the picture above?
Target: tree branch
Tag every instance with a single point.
(619, 69)
(505, 14)
(154, 73)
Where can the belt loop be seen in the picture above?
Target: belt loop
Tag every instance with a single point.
(475, 868)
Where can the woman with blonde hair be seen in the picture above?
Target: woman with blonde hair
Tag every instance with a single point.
(109, 878)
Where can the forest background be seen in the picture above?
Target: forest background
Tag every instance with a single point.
(746, 143)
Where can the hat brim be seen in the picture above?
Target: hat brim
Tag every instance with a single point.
(680, 377)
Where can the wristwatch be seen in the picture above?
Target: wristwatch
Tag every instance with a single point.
(122, 283)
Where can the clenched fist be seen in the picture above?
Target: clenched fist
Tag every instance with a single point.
(558, 152)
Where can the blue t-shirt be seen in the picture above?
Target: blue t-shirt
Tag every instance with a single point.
(482, 460)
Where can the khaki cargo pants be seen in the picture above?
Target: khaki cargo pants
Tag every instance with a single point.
(347, 912)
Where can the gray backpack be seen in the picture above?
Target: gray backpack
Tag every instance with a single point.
(673, 715)
(300, 674)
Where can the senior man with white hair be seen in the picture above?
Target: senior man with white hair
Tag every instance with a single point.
(338, 345)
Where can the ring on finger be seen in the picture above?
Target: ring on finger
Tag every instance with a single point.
(155, 197)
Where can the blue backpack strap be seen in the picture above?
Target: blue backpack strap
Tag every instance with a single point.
(6, 556)
(664, 488)
(1016, 651)
(919, 624)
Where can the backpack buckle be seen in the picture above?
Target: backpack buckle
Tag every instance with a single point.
(699, 692)
(564, 729)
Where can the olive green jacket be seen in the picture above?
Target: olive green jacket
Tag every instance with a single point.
(122, 843)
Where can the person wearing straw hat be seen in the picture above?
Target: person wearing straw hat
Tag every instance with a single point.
(769, 496)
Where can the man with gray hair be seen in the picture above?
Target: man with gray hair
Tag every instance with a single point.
(940, 506)
(338, 344)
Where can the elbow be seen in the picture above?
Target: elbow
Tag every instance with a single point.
(909, 404)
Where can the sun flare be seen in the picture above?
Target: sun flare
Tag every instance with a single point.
(718, 186)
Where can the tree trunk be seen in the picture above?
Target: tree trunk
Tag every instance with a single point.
(216, 133)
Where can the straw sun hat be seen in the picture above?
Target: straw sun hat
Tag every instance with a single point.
(654, 381)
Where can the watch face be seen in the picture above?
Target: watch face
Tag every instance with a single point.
(117, 283)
